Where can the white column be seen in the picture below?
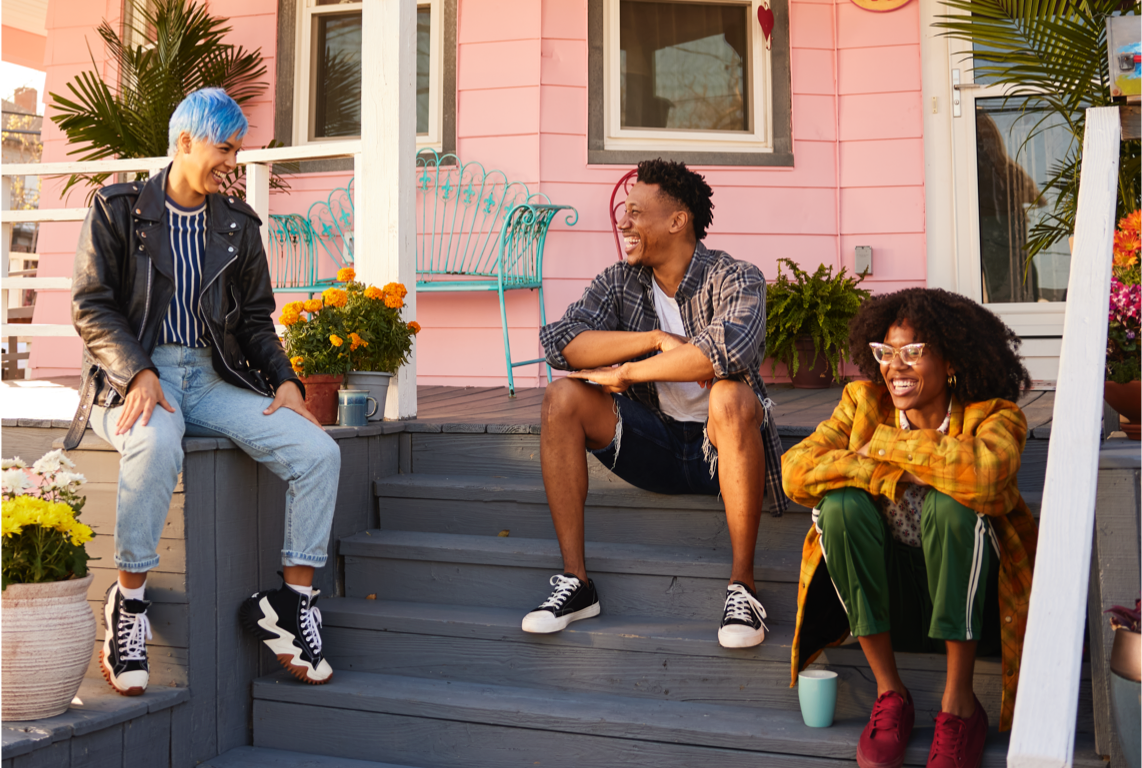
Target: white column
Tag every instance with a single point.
(258, 197)
(1043, 733)
(384, 218)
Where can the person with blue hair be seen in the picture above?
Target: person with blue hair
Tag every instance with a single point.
(171, 296)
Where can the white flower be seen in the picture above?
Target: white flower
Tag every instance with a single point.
(14, 481)
(60, 481)
(16, 463)
(52, 461)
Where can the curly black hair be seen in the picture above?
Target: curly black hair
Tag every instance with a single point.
(684, 187)
(983, 351)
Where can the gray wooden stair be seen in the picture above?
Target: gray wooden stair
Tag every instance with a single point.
(434, 722)
(260, 757)
(485, 506)
(493, 571)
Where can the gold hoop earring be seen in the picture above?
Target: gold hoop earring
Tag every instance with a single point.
(952, 381)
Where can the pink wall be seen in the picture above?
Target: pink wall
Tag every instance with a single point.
(857, 180)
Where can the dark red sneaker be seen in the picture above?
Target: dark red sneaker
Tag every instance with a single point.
(883, 740)
(958, 742)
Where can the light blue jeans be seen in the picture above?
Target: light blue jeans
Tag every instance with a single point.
(206, 406)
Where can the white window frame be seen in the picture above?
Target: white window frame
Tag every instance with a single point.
(758, 140)
(303, 100)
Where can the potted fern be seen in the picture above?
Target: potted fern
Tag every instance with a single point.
(807, 321)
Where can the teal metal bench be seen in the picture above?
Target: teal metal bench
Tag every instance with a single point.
(476, 231)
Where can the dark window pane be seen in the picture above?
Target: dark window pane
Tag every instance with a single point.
(423, 82)
(337, 99)
(684, 66)
(1011, 170)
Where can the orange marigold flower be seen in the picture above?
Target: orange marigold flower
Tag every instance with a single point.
(335, 297)
(414, 327)
(296, 363)
(289, 318)
(393, 300)
(336, 340)
(373, 292)
(356, 341)
(397, 289)
(1131, 222)
(294, 307)
(346, 275)
(313, 305)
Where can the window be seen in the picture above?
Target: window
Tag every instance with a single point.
(327, 97)
(692, 81)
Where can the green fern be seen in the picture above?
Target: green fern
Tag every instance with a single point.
(819, 306)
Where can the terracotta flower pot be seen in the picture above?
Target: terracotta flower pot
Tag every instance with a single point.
(48, 632)
(321, 396)
(816, 377)
(1126, 399)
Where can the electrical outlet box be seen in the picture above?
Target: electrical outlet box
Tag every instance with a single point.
(864, 259)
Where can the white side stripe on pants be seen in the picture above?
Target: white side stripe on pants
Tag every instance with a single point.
(979, 552)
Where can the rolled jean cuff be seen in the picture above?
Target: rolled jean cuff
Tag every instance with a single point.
(300, 558)
(140, 567)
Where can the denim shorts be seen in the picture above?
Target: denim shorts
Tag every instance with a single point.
(660, 455)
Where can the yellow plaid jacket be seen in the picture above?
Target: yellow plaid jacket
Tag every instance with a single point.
(975, 463)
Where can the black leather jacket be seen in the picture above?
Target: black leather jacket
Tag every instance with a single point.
(124, 282)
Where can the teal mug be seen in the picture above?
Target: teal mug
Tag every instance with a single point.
(817, 692)
(352, 407)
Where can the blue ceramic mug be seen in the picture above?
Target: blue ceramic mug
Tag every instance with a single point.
(817, 692)
(352, 407)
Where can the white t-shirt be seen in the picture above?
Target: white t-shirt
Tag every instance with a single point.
(681, 400)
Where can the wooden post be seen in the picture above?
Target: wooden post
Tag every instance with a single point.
(1043, 733)
(258, 197)
(384, 220)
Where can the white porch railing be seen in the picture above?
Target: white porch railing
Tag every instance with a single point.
(1043, 734)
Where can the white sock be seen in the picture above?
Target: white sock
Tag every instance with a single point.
(298, 588)
(133, 594)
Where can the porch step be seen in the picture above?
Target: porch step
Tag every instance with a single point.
(259, 757)
(510, 572)
(658, 658)
(444, 723)
(484, 505)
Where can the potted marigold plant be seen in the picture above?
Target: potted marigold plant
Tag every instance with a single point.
(1126, 678)
(316, 342)
(1123, 390)
(48, 628)
(381, 340)
(807, 322)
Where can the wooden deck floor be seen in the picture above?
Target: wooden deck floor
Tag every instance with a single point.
(797, 411)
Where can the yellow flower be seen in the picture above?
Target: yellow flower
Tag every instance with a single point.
(346, 275)
(289, 318)
(296, 363)
(335, 297)
(293, 308)
(373, 292)
(414, 327)
(313, 305)
(336, 340)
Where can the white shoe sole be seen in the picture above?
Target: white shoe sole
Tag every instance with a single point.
(733, 636)
(545, 622)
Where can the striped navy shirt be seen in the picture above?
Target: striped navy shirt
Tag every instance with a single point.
(182, 324)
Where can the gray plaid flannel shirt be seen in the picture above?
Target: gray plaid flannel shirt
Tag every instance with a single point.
(722, 302)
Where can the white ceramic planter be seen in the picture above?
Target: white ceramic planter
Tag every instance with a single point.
(377, 385)
(48, 632)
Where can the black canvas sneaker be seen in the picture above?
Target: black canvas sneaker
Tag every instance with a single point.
(742, 625)
(289, 624)
(123, 658)
(570, 601)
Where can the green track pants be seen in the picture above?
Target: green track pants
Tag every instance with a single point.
(922, 595)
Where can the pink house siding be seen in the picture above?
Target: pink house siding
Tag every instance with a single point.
(858, 177)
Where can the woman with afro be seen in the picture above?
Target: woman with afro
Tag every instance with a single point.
(921, 541)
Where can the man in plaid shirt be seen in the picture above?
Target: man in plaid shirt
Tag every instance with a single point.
(664, 351)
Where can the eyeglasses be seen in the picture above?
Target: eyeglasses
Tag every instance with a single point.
(910, 354)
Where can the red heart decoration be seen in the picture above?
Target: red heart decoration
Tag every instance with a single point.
(765, 18)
